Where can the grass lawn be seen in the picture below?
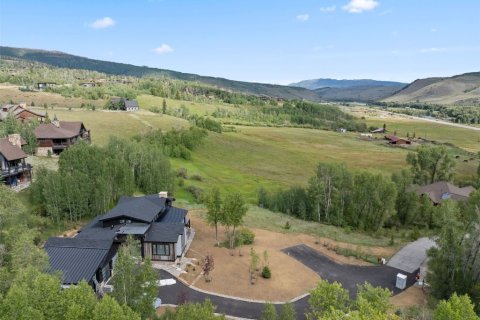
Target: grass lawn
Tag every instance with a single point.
(280, 157)
(115, 123)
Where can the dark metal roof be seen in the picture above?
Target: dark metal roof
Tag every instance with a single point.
(144, 209)
(173, 215)
(131, 104)
(164, 232)
(11, 152)
(95, 230)
(77, 259)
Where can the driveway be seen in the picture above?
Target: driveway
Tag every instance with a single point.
(232, 307)
(411, 257)
(349, 275)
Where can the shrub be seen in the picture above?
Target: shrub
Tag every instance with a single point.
(182, 173)
(197, 177)
(415, 234)
(181, 182)
(245, 236)
(287, 225)
(196, 192)
(266, 273)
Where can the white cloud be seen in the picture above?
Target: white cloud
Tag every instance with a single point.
(358, 6)
(328, 9)
(102, 23)
(164, 48)
(303, 17)
(433, 49)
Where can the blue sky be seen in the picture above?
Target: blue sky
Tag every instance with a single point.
(277, 41)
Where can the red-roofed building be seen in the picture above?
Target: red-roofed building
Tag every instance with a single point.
(396, 140)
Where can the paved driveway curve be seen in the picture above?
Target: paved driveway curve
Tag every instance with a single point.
(349, 276)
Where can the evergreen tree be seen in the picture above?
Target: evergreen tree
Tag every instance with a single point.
(269, 312)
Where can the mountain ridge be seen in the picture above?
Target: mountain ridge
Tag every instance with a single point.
(319, 83)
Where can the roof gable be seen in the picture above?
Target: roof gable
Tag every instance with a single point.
(11, 152)
(143, 209)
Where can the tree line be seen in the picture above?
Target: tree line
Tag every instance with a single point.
(365, 200)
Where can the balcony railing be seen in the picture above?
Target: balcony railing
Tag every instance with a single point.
(13, 170)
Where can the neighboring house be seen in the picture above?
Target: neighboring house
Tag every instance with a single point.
(162, 230)
(14, 170)
(21, 113)
(124, 104)
(442, 190)
(88, 84)
(396, 140)
(56, 136)
(43, 85)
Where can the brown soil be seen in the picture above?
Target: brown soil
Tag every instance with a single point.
(413, 296)
(290, 278)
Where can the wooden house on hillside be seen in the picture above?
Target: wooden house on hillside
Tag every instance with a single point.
(56, 136)
(21, 113)
(163, 231)
(14, 170)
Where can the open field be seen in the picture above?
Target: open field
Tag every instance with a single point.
(279, 157)
(12, 93)
(115, 123)
(463, 138)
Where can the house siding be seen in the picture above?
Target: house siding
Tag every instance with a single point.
(147, 249)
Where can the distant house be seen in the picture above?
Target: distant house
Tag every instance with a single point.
(123, 104)
(162, 230)
(15, 172)
(21, 113)
(379, 130)
(43, 85)
(88, 84)
(440, 191)
(396, 140)
(56, 136)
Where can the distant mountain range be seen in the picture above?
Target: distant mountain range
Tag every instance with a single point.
(334, 83)
(462, 89)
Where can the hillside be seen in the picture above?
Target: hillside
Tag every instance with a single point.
(334, 83)
(462, 89)
(359, 94)
(64, 60)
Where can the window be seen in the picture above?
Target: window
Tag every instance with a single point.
(160, 249)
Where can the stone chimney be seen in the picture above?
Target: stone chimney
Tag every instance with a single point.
(163, 194)
(55, 121)
(15, 140)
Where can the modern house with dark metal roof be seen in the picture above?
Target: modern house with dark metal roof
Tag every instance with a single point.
(56, 136)
(163, 232)
(14, 170)
(442, 190)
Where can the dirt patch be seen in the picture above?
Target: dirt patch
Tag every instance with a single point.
(413, 296)
(290, 278)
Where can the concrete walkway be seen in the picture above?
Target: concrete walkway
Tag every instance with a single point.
(412, 256)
